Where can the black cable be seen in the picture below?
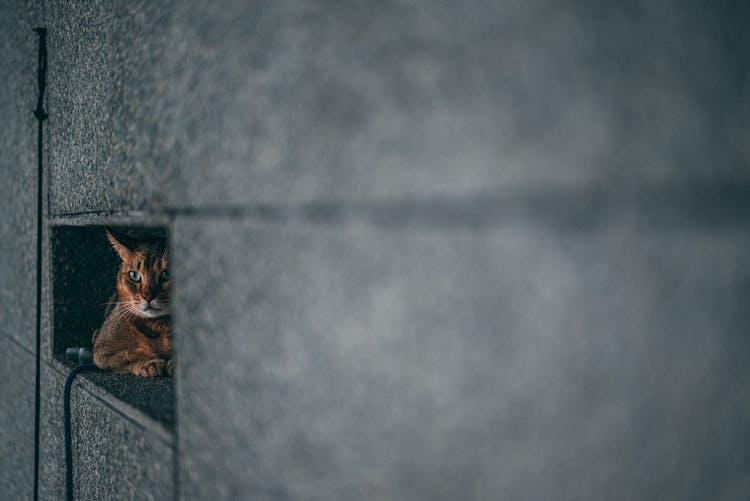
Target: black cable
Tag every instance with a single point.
(41, 116)
(66, 421)
(41, 74)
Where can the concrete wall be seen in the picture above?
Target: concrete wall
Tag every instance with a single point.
(17, 244)
(421, 250)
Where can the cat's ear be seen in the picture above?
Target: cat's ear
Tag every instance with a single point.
(122, 244)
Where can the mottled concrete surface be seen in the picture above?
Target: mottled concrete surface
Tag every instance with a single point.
(109, 130)
(114, 457)
(361, 362)
(17, 381)
(346, 101)
(18, 176)
(152, 396)
(117, 459)
(18, 171)
(275, 102)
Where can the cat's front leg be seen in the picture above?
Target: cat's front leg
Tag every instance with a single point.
(151, 368)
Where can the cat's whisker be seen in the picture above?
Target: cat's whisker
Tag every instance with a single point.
(125, 316)
(120, 313)
(117, 316)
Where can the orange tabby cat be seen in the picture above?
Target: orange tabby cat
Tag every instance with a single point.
(137, 334)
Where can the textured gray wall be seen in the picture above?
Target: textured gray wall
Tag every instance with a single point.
(18, 172)
(119, 453)
(488, 250)
(121, 449)
(481, 250)
(17, 241)
(450, 364)
(275, 102)
(114, 457)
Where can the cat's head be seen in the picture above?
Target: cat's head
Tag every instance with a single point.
(143, 280)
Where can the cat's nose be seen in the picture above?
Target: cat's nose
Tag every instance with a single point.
(147, 297)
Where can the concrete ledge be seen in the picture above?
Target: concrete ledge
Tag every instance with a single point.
(119, 453)
(146, 401)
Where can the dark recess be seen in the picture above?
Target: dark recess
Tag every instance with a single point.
(84, 268)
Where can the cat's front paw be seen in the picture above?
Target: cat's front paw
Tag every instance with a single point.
(169, 367)
(152, 368)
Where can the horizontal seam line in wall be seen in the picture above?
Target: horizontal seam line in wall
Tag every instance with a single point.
(720, 205)
(130, 214)
(594, 219)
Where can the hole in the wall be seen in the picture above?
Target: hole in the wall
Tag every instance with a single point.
(84, 270)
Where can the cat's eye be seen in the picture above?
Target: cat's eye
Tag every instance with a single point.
(135, 276)
(165, 274)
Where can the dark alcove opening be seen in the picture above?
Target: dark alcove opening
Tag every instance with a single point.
(84, 269)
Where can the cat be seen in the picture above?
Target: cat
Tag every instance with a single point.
(136, 335)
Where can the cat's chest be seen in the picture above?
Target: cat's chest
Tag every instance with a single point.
(157, 333)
